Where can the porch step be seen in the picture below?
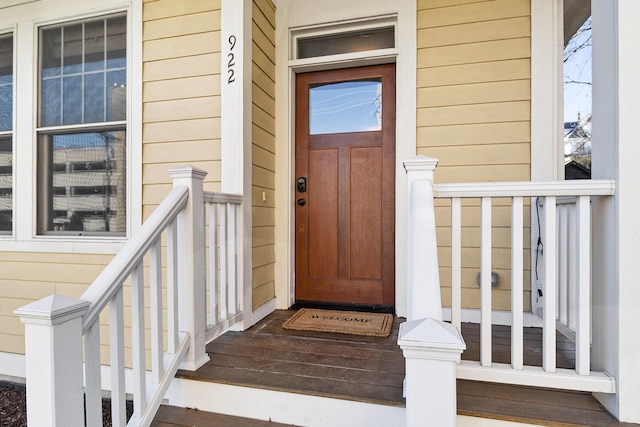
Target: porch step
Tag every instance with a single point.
(172, 416)
(298, 377)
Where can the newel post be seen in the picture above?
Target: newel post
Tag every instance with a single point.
(431, 349)
(191, 266)
(423, 276)
(53, 350)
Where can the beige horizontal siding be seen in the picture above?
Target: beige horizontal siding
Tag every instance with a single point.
(28, 277)
(474, 115)
(263, 150)
(181, 93)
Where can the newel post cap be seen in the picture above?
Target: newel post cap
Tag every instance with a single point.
(430, 334)
(52, 310)
(187, 171)
(420, 163)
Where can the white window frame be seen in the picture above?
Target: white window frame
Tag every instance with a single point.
(11, 133)
(26, 19)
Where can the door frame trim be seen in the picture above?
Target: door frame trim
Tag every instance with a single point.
(404, 56)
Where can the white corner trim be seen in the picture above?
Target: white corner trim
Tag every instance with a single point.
(13, 365)
(264, 310)
(547, 112)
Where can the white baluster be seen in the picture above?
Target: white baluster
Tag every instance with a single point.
(485, 282)
(155, 288)
(517, 286)
(583, 330)
(116, 326)
(172, 288)
(232, 290)
(137, 340)
(456, 262)
(550, 268)
(214, 283)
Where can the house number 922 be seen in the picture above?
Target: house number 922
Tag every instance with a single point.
(232, 63)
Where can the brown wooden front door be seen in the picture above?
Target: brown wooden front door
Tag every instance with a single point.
(345, 186)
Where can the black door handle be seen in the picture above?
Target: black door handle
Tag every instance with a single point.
(301, 202)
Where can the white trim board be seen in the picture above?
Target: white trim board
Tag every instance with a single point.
(13, 365)
(264, 310)
(281, 407)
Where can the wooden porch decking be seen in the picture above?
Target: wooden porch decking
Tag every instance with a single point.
(368, 369)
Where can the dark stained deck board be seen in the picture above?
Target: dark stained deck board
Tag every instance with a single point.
(367, 369)
(501, 346)
(371, 369)
(532, 405)
(172, 416)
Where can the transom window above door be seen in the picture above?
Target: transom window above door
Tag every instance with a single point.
(349, 38)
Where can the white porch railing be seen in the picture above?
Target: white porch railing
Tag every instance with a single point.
(180, 221)
(225, 297)
(568, 221)
(567, 255)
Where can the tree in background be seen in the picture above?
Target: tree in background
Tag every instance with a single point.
(577, 95)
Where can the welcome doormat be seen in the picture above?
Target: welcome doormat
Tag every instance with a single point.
(341, 322)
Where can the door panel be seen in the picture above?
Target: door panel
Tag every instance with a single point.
(366, 241)
(323, 219)
(345, 218)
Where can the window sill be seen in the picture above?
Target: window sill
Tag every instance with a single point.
(63, 244)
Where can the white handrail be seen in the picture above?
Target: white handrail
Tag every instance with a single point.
(594, 187)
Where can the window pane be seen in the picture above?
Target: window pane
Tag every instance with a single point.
(82, 182)
(345, 107)
(334, 44)
(94, 46)
(116, 96)
(51, 59)
(94, 98)
(71, 94)
(6, 185)
(72, 47)
(51, 102)
(91, 58)
(6, 83)
(82, 172)
(117, 42)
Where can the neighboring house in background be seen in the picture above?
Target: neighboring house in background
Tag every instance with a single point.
(574, 170)
(577, 141)
(99, 99)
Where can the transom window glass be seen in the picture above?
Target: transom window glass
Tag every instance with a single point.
(6, 128)
(352, 106)
(346, 42)
(82, 133)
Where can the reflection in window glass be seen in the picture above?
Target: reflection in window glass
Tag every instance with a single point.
(6, 83)
(354, 106)
(6, 127)
(83, 72)
(82, 170)
(85, 175)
